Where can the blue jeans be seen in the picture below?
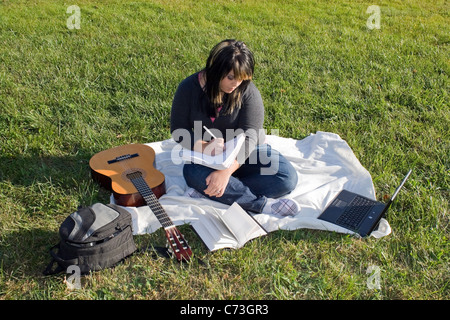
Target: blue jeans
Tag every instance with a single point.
(265, 174)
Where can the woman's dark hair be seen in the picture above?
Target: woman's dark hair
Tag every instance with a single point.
(228, 55)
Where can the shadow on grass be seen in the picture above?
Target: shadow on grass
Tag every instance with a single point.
(51, 177)
(38, 192)
(26, 170)
(25, 253)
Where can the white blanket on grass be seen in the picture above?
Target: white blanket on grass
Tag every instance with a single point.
(324, 162)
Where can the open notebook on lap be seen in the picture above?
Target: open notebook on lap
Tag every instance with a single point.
(357, 213)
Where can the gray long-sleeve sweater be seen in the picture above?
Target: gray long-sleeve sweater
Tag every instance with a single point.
(189, 115)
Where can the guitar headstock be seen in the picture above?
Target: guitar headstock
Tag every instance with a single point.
(178, 246)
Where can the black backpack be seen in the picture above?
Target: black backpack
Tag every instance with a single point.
(93, 238)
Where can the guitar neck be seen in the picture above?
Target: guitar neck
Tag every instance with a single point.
(151, 200)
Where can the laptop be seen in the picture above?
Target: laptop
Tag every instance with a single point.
(356, 212)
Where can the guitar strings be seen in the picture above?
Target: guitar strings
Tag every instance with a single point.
(147, 193)
(150, 198)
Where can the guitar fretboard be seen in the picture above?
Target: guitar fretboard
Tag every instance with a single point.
(150, 199)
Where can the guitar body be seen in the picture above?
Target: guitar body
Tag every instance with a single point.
(129, 173)
(113, 176)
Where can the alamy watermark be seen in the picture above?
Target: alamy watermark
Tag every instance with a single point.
(185, 138)
(374, 21)
(74, 20)
(373, 281)
(73, 282)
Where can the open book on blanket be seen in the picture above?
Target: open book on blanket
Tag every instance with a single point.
(220, 161)
(230, 229)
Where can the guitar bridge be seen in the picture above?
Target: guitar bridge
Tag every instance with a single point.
(123, 157)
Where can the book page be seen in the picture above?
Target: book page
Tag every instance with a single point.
(242, 226)
(231, 229)
(232, 148)
(220, 227)
(214, 232)
(204, 234)
(210, 227)
(220, 161)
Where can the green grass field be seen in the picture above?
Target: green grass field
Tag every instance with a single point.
(66, 94)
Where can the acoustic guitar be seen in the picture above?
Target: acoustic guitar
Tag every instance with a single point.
(129, 173)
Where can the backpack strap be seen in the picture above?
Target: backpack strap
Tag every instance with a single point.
(61, 263)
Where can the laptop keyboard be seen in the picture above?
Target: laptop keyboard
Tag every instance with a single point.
(352, 217)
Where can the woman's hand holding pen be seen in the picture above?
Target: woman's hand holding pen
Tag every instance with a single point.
(214, 147)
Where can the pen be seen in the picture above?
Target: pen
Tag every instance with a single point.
(209, 131)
